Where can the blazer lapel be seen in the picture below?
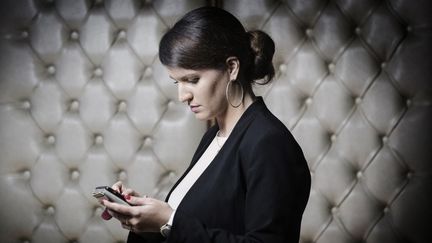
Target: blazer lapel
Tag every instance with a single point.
(205, 142)
(233, 138)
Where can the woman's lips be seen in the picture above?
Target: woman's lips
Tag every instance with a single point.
(194, 108)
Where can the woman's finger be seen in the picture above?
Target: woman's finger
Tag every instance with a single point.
(106, 215)
(118, 186)
(117, 208)
(123, 219)
(138, 201)
(130, 191)
(127, 226)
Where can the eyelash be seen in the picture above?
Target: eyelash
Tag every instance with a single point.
(192, 81)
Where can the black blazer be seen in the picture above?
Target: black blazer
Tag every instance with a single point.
(255, 190)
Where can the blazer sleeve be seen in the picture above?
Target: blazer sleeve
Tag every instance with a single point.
(150, 237)
(278, 182)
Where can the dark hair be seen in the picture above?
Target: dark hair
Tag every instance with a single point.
(206, 37)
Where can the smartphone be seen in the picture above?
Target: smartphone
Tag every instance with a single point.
(110, 194)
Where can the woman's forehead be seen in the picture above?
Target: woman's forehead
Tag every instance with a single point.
(181, 73)
(177, 71)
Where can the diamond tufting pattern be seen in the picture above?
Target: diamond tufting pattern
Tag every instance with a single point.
(84, 101)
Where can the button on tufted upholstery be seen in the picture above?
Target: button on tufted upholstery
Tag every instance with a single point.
(84, 101)
(353, 85)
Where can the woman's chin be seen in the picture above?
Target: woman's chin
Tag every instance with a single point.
(203, 116)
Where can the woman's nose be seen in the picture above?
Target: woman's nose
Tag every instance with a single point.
(184, 95)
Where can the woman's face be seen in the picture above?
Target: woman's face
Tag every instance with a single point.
(202, 90)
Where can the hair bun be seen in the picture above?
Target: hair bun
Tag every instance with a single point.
(263, 48)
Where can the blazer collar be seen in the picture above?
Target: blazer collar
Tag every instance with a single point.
(247, 116)
(235, 136)
(244, 121)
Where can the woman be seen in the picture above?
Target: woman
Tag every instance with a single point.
(248, 180)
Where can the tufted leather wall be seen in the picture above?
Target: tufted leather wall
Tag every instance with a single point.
(84, 101)
(354, 87)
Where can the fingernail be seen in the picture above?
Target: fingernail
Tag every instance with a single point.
(105, 215)
(127, 197)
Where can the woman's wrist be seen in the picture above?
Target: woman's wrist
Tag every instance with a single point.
(165, 213)
(165, 229)
(171, 218)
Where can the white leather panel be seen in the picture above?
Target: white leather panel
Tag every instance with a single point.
(84, 101)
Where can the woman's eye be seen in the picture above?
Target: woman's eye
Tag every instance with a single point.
(191, 81)
(194, 80)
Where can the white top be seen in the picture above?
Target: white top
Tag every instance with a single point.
(189, 180)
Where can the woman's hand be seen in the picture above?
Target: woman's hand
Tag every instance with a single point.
(146, 214)
(120, 188)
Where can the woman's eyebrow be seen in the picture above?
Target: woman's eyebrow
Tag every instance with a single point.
(185, 77)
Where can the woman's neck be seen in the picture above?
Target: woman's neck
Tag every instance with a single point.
(229, 119)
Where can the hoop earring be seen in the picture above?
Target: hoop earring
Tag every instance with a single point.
(227, 93)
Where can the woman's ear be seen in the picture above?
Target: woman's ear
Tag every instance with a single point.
(233, 65)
